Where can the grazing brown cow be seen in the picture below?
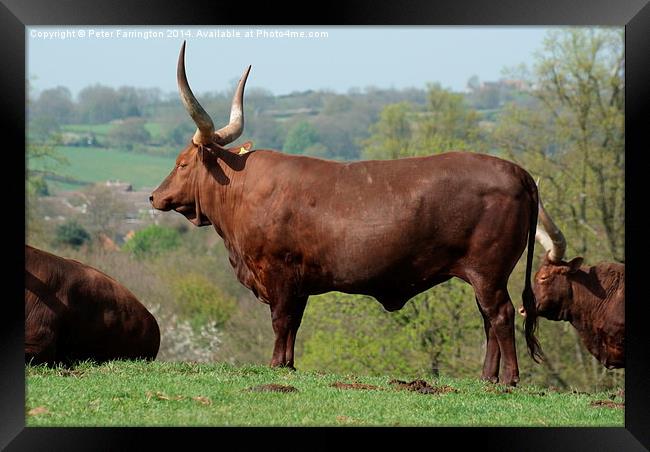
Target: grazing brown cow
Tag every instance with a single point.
(75, 312)
(591, 298)
(297, 226)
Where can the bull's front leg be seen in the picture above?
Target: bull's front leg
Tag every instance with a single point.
(286, 315)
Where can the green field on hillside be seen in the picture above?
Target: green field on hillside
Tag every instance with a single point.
(97, 129)
(154, 128)
(87, 164)
(123, 393)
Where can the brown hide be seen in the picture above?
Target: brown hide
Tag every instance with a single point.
(592, 299)
(75, 312)
(296, 226)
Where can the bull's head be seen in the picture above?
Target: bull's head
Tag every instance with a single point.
(180, 190)
(552, 285)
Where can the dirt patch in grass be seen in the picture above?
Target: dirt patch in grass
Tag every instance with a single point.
(272, 388)
(71, 373)
(422, 387)
(347, 420)
(606, 404)
(202, 400)
(340, 385)
(158, 395)
(162, 396)
(38, 410)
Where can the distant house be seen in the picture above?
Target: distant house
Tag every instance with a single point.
(78, 139)
(520, 85)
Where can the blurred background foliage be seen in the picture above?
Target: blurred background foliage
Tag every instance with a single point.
(562, 120)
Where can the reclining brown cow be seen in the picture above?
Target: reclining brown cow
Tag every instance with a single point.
(591, 298)
(75, 312)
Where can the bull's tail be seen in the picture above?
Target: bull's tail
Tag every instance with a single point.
(528, 296)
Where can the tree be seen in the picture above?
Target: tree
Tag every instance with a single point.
(446, 124)
(128, 133)
(449, 123)
(45, 157)
(54, 103)
(200, 301)
(574, 137)
(105, 210)
(43, 129)
(152, 241)
(130, 102)
(98, 104)
(71, 233)
(179, 135)
(392, 136)
(300, 136)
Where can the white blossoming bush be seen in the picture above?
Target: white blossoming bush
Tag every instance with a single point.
(180, 342)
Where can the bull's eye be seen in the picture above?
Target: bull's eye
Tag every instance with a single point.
(182, 165)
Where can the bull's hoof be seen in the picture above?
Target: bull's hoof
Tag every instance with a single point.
(491, 379)
(282, 365)
(511, 381)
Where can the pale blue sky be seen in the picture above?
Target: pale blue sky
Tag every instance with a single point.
(349, 57)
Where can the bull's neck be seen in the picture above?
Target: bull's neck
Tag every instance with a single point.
(220, 192)
(585, 311)
(585, 305)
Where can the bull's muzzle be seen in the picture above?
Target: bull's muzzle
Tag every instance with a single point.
(160, 202)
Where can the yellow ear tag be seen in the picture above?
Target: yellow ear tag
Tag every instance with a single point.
(242, 151)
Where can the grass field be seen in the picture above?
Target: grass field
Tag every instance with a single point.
(191, 394)
(90, 164)
(154, 128)
(97, 129)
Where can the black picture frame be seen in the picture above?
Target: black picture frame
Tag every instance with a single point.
(15, 15)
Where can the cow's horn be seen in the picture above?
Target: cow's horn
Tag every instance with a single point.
(235, 127)
(205, 130)
(552, 238)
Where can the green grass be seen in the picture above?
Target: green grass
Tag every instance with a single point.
(98, 165)
(154, 128)
(191, 394)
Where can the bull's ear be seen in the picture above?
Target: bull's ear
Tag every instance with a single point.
(574, 264)
(204, 154)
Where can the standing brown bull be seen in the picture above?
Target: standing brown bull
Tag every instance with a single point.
(297, 226)
(591, 298)
(75, 312)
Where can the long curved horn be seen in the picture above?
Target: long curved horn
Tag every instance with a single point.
(205, 130)
(552, 240)
(235, 127)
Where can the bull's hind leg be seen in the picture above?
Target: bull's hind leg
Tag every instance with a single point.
(492, 352)
(496, 305)
(286, 316)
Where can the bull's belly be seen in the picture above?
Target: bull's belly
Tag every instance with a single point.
(392, 293)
